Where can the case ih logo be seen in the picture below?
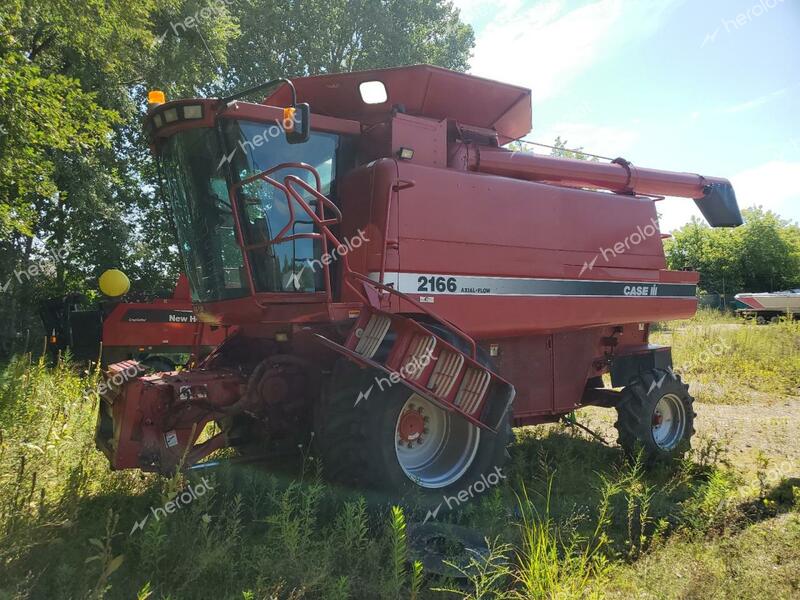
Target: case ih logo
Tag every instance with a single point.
(640, 290)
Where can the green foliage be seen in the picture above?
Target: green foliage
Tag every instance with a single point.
(761, 561)
(556, 561)
(560, 150)
(108, 563)
(574, 518)
(75, 169)
(711, 508)
(726, 361)
(44, 118)
(398, 550)
(488, 575)
(307, 38)
(763, 255)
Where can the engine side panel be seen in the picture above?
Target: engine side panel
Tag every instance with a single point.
(503, 257)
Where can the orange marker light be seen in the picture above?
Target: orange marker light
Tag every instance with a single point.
(156, 97)
(288, 118)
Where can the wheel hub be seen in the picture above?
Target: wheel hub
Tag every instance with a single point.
(411, 425)
(668, 422)
(433, 447)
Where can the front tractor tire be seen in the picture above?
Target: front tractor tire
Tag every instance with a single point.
(656, 415)
(400, 445)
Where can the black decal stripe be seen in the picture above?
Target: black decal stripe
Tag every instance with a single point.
(518, 286)
(145, 315)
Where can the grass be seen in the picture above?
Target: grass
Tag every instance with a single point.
(762, 561)
(573, 519)
(731, 361)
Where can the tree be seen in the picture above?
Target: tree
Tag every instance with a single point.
(763, 255)
(310, 37)
(75, 169)
(560, 150)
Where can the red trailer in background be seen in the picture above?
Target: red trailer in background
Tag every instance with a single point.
(405, 288)
(159, 332)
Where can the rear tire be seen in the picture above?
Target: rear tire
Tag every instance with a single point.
(365, 443)
(656, 415)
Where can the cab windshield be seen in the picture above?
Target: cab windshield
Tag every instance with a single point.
(196, 170)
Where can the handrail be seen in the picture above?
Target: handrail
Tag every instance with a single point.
(323, 225)
(286, 165)
(317, 194)
(280, 237)
(449, 324)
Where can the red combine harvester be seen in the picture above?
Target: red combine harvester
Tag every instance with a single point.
(404, 286)
(153, 330)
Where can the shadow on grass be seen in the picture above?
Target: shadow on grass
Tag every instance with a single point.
(262, 527)
(568, 476)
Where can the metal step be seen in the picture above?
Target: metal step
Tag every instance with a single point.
(473, 389)
(429, 365)
(419, 354)
(445, 373)
(373, 335)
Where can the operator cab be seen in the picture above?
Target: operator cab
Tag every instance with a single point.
(197, 183)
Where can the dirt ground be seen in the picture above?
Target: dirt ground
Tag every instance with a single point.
(745, 434)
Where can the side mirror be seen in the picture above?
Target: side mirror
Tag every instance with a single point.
(300, 121)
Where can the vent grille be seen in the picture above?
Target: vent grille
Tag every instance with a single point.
(418, 356)
(473, 388)
(445, 373)
(373, 335)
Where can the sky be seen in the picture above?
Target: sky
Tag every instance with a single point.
(703, 86)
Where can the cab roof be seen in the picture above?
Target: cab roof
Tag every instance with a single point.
(424, 91)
